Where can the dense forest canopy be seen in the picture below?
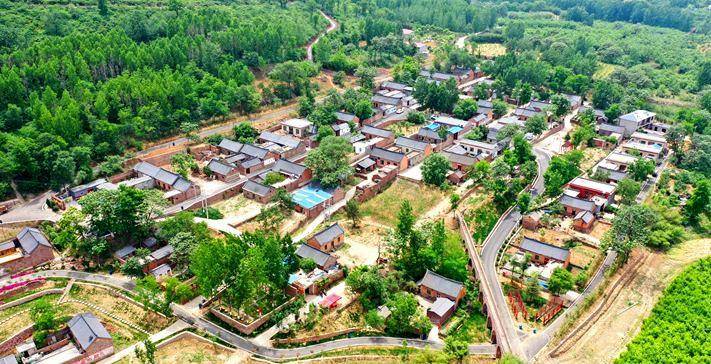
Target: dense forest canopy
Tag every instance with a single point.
(81, 82)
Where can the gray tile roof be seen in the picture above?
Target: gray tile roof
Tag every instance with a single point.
(383, 133)
(395, 86)
(30, 238)
(90, 185)
(526, 112)
(231, 145)
(485, 103)
(288, 167)
(441, 284)
(611, 128)
(540, 105)
(162, 252)
(328, 234)
(428, 133)
(464, 160)
(282, 140)
(125, 251)
(306, 252)
(404, 142)
(147, 169)
(441, 306)
(257, 188)
(181, 184)
(614, 175)
(254, 151)
(365, 163)
(250, 162)
(150, 242)
(385, 100)
(637, 115)
(577, 203)
(161, 270)
(86, 328)
(220, 166)
(344, 116)
(387, 155)
(586, 216)
(539, 247)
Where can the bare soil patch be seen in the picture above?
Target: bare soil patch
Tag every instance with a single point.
(191, 349)
(615, 327)
(384, 207)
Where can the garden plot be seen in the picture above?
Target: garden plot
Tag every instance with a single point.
(119, 307)
(592, 156)
(194, 349)
(384, 207)
(237, 207)
(361, 243)
(490, 50)
(322, 321)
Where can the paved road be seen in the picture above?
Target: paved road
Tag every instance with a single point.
(332, 25)
(113, 281)
(33, 210)
(295, 353)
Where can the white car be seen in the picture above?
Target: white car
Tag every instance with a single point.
(400, 110)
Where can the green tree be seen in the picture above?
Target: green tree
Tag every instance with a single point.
(561, 281)
(456, 348)
(184, 164)
(480, 170)
(524, 202)
(628, 189)
(630, 228)
(465, 109)
(536, 124)
(132, 267)
(434, 169)
(103, 8)
(560, 171)
(330, 161)
(366, 77)
(699, 203)
(640, 169)
(561, 105)
(407, 71)
(499, 108)
(244, 132)
(416, 117)
(406, 318)
(352, 210)
(147, 354)
(372, 287)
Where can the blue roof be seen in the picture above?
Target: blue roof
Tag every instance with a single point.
(454, 129)
(309, 196)
(293, 277)
(433, 126)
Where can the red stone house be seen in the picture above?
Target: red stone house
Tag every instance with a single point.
(542, 253)
(256, 191)
(371, 132)
(433, 285)
(384, 157)
(90, 337)
(588, 188)
(584, 221)
(440, 311)
(573, 205)
(223, 170)
(28, 249)
(323, 260)
(158, 258)
(328, 239)
(178, 189)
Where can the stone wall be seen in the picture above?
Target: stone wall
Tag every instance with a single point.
(31, 297)
(8, 346)
(249, 328)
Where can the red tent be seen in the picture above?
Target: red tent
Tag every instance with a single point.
(330, 301)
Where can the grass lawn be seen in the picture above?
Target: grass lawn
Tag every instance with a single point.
(384, 207)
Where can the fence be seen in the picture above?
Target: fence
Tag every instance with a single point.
(249, 328)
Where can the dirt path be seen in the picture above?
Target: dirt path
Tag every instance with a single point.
(621, 318)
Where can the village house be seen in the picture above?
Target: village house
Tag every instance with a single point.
(247, 158)
(85, 189)
(661, 128)
(324, 261)
(313, 198)
(256, 191)
(600, 117)
(440, 311)
(384, 157)
(281, 145)
(394, 86)
(433, 285)
(539, 105)
(124, 253)
(158, 258)
(583, 221)
(610, 130)
(28, 249)
(542, 253)
(223, 170)
(454, 126)
(574, 100)
(430, 134)
(370, 132)
(460, 162)
(341, 129)
(636, 120)
(296, 175)
(344, 117)
(415, 150)
(481, 150)
(485, 107)
(480, 119)
(653, 151)
(573, 205)
(525, 113)
(84, 340)
(328, 239)
(300, 128)
(314, 282)
(362, 146)
(588, 188)
(178, 188)
(532, 220)
(649, 139)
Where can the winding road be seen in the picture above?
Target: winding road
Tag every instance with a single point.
(332, 25)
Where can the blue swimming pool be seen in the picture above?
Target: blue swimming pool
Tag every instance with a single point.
(309, 196)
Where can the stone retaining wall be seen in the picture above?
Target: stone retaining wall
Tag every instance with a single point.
(8, 345)
(31, 297)
(249, 328)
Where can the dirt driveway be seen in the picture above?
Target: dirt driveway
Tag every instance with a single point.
(615, 327)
